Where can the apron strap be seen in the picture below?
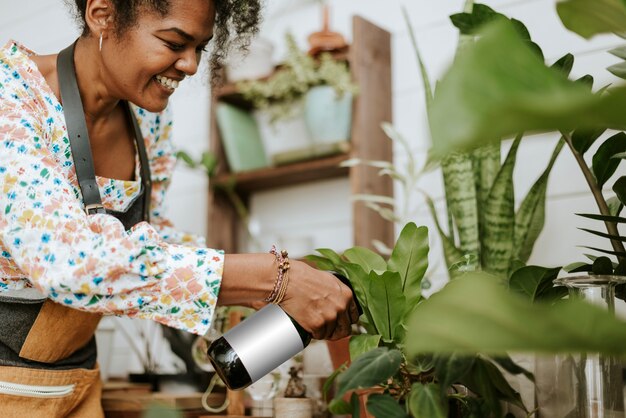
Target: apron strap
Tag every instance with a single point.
(79, 138)
(77, 131)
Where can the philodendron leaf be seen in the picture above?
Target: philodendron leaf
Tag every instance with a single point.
(533, 281)
(425, 401)
(410, 259)
(618, 70)
(582, 139)
(510, 366)
(469, 23)
(387, 302)
(384, 406)
(450, 368)
(619, 52)
(322, 263)
(372, 368)
(499, 87)
(620, 189)
(366, 258)
(603, 165)
(475, 314)
(589, 18)
(361, 344)
(487, 380)
(564, 64)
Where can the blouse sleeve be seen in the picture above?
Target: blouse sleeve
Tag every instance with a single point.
(90, 262)
(161, 153)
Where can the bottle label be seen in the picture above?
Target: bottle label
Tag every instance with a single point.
(265, 340)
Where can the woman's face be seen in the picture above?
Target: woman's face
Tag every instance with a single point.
(145, 65)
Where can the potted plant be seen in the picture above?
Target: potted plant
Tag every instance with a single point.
(305, 108)
(398, 385)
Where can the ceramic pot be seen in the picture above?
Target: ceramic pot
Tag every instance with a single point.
(293, 408)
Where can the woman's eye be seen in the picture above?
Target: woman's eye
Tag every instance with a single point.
(174, 46)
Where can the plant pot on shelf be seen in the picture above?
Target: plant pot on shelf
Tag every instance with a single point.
(285, 139)
(328, 117)
(583, 385)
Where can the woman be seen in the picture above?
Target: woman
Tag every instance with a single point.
(82, 179)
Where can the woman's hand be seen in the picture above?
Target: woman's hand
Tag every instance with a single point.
(319, 302)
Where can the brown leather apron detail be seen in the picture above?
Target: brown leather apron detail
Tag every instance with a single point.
(58, 332)
(82, 401)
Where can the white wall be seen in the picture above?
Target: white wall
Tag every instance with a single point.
(318, 215)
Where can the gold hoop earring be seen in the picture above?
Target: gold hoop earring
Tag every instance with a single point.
(100, 42)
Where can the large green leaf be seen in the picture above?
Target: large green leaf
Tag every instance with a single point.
(530, 216)
(384, 406)
(533, 281)
(588, 18)
(498, 87)
(603, 165)
(370, 369)
(499, 214)
(476, 314)
(410, 259)
(387, 304)
(425, 401)
(366, 258)
(362, 343)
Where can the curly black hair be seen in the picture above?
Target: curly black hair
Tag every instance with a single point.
(236, 23)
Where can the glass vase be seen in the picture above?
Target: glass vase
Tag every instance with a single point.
(586, 385)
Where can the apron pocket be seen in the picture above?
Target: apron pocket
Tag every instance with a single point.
(32, 391)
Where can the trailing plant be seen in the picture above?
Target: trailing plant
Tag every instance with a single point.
(297, 75)
(389, 291)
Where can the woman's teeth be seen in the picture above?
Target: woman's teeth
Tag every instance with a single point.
(167, 82)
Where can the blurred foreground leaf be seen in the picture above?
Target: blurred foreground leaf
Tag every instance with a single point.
(499, 87)
(477, 314)
(591, 17)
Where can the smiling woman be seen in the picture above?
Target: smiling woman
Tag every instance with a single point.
(85, 160)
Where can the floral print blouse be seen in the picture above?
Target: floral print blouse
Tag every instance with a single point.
(90, 262)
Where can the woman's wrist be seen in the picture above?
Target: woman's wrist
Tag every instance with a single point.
(247, 279)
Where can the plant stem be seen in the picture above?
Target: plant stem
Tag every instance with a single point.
(596, 191)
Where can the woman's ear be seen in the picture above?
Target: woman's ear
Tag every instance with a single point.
(98, 16)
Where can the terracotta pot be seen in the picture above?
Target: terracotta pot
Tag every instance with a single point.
(339, 351)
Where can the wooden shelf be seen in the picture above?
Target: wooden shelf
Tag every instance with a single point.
(285, 175)
(369, 60)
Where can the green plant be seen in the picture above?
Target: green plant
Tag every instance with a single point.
(529, 96)
(389, 291)
(298, 74)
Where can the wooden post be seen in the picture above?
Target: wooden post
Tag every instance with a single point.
(370, 62)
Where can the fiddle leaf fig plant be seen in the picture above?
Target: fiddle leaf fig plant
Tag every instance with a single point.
(389, 291)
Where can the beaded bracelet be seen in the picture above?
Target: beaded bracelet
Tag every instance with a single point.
(282, 277)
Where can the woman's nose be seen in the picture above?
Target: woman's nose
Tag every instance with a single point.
(188, 62)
